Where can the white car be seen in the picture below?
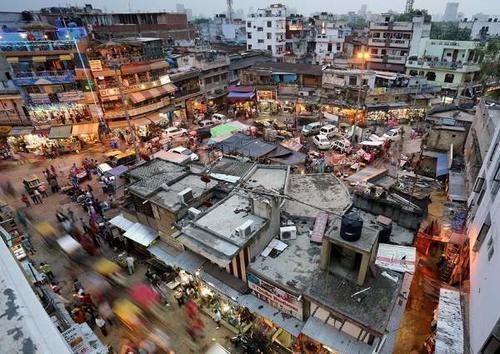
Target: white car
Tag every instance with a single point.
(321, 142)
(219, 118)
(343, 146)
(392, 135)
(186, 152)
(174, 132)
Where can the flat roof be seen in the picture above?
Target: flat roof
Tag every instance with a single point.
(322, 190)
(168, 197)
(230, 166)
(450, 323)
(368, 239)
(271, 177)
(153, 174)
(294, 267)
(372, 310)
(399, 235)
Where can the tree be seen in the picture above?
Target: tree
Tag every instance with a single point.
(449, 31)
(408, 16)
(489, 55)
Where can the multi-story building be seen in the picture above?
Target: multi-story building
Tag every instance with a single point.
(48, 67)
(245, 60)
(299, 33)
(222, 29)
(329, 43)
(451, 64)
(391, 42)
(139, 67)
(483, 228)
(266, 30)
(482, 28)
(451, 11)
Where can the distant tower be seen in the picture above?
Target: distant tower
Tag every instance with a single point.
(409, 6)
(230, 10)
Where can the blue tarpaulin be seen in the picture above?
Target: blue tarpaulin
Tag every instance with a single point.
(245, 145)
(240, 95)
(441, 164)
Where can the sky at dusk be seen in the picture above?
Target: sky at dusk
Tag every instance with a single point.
(208, 8)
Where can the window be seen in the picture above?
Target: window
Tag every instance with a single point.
(249, 24)
(376, 35)
(260, 41)
(352, 80)
(413, 73)
(478, 186)
(249, 35)
(339, 47)
(482, 234)
(496, 176)
(480, 199)
(491, 248)
(270, 47)
(260, 29)
(449, 78)
(269, 24)
(269, 36)
(430, 76)
(249, 47)
(383, 52)
(374, 50)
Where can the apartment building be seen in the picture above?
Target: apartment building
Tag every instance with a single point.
(266, 30)
(391, 42)
(329, 43)
(299, 33)
(483, 228)
(48, 68)
(482, 28)
(138, 66)
(452, 64)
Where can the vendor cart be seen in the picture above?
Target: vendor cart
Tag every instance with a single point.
(32, 183)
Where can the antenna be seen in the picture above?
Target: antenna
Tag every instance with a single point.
(409, 6)
(230, 10)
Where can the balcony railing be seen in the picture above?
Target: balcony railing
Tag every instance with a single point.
(382, 42)
(50, 77)
(122, 59)
(43, 74)
(404, 90)
(36, 46)
(442, 64)
(139, 110)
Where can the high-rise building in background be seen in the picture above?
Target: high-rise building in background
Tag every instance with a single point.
(451, 11)
(362, 10)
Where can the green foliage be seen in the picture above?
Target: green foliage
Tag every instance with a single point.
(359, 23)
(408, 16)
(489, 54)
(449, 31)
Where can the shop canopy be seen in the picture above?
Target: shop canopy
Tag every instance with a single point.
(246, 146)
(121, 222)
(115, 124)
(117, 171)
(223, 130)
(60, 131)
(243, 89)
(85, 129)
(141, 234)
(141, 96)
(240, 96)
(18, 131)
(138, 122)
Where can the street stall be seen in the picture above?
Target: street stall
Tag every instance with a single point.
(60, 113)
(141, 126)
(86, 132)
(241, 101)
(398, 111)
(142, 236)
(267, 102)
(307, 106)
(196, 108)
(62, 139)
(345, 113)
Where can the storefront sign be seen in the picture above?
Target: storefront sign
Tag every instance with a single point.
(165, 79)
(266, 95)
(39, 98)
(95, 65)
(82, 340)
(276, 297)
(70, 96)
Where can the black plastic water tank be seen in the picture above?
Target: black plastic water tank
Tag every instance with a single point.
(351, 227)
(385, 233)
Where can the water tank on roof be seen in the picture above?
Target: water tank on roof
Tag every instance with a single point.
(351, 227)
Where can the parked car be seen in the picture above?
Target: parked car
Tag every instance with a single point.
(321, 142)
(219, 118)
(174, 132)
(392, 135)
(311, 128)
(343, 146)
(329, 130)
(186, 152)
(206, 123)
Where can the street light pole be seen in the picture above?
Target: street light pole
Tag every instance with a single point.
(363, 56)
(125, 109)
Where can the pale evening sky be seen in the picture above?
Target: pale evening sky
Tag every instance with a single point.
(209, 7)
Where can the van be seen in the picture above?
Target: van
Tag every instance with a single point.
(219, 118)
(103, 167)
(343, 146)
(206, 123)
(328, 130)
(125, 158)
(311, 128)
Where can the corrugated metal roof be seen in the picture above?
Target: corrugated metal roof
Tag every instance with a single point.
(141, 234)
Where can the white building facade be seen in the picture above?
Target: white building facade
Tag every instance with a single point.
(483, 230)
(483, 27)
(329, 43)
(266, 30)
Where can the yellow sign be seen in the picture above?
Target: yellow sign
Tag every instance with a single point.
(95, 65)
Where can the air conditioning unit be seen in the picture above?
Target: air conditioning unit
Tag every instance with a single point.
(185, 196)
(288, 233)
(244, 229)
(194, 213)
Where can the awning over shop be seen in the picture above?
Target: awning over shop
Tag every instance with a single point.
(450, 323)
(128, 69)
(121, 222)
(18, 131)
(60, 131)
(333, 338)
(223, 130)
(115, 124)
(140, 122)
(158, 65)
(138, 97)
(246, 89)
(246, 146)
(110, 98)
(188, 261)
(87, 128)
(240, 96)
(117, 171)
(141, 234)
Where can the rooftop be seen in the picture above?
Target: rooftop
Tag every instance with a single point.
(168, 197)
(271, 177)
(294, 267)
(151, 175)
(399, 235)
(323, 191)
(372, 309)
(369, 236)
(230, 167)
(307, 69)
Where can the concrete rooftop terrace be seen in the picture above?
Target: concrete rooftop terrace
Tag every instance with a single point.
(270, 177)
(294, 267)
(368, 239)
(400, 235)
(151, 175)
(323, 191)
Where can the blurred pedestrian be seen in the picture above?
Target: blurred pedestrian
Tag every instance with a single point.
(53, 170)
(45, 269)
(217, 318)
(26, 201)
(179, 296)
(28, 246)
(38, 196)
(106, 312)
(102, 326)
(43, 190)
(78, 315)
(77, 285)
(130, 264)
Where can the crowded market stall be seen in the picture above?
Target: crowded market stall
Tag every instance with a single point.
(60, 113)
(267, 102)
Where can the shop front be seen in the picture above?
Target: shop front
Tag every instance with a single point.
(61, 140)
(400, 113)
(241, 102)
(267, 100)
(196, 107)
(88, 133)
(59, 113)
(307, 107)
(346, 114)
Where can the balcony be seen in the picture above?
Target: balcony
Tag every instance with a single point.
(129, 59)
(139, 110)
(431, 89)
(8, 88)
(114, 90)
(443, 65)
(392, 43)
(43, 77)
(37, 46)
(391, 26)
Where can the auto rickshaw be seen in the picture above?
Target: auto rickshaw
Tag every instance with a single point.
(48, 233)
(111, 271)
(129, 313)
(72, 249)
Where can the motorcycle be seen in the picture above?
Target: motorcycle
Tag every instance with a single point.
(246, 343)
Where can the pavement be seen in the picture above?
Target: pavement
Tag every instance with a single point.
(171, 319)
